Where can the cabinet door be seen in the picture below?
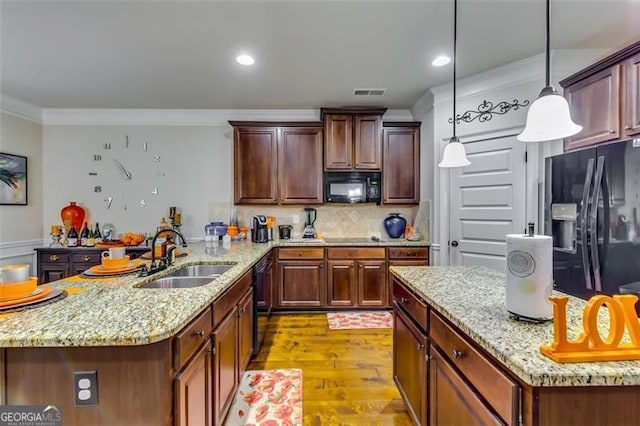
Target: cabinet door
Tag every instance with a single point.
(225, 365)
(341, 283)
(401, 176)
(595, 105)
(245, 330)
(372, 283)
(300, 165)
(48, 272)
(192, 387)
(255, 165)
(77, 268)
(632, 96)
(338, 143)
(410, 365)
(301, 283)
(367, 144)
(451, 400)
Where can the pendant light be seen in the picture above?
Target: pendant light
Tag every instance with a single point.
(548, 117)
(454, 154)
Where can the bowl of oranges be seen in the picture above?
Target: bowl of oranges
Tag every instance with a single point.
(132, 239)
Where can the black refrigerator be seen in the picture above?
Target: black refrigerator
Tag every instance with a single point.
(592, 198)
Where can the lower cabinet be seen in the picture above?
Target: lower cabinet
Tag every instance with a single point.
(245, 330)
(356, 277)
(301, 278)
(225, 365)
(410, 365)
(192, 391)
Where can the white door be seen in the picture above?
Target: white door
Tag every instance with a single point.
(487, 201)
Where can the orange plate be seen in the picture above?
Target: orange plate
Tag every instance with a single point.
(115, 263)
(18, 289)
(129, 267)
(45, 291)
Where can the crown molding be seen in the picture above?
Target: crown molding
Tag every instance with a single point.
(184, 117)
(20, 108)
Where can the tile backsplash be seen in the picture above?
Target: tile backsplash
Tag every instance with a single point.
(335, 221)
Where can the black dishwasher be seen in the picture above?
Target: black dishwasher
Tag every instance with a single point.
(262, 273)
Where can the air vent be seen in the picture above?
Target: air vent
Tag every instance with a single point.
(369, 92)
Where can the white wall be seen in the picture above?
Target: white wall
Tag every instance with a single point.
(21, 226)
(194, 171)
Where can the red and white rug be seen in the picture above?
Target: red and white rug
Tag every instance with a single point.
(268, 398)
(359, 320)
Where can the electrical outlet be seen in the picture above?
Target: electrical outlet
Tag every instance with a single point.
(295, 219)
(85, 388)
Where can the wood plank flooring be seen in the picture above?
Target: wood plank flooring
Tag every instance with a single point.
(346, 374)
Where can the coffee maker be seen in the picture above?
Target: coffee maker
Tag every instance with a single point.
(259, 230)
(309, 231)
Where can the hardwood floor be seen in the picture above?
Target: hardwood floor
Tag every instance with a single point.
(346, 374)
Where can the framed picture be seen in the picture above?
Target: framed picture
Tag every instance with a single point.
(13, 179)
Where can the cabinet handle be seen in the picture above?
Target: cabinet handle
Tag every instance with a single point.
(456, 353)
(54, 258)
(627, 127)
(403, 300)
(86, 258)
(612, 131)
(420, 346)
(361, 266)
(198, 333)
(300, 253)
(321, 266)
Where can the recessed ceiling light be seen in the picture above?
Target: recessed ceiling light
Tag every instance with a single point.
(441, 61)
(245, 60)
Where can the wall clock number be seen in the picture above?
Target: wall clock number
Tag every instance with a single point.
(97, 157)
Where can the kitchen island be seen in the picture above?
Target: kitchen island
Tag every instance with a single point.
(160, 356)
(480, 362)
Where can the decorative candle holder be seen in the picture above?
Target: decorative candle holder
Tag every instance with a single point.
(56, 240)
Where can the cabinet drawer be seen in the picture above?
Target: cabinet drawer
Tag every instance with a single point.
(301, 253)
(408, 252)
(495, 386)
(191, 337)
(55, 258)
(92, 257)
(355, 253)
(226, 302)
(416, 308)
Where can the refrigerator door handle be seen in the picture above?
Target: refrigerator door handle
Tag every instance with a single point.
(584, 212)
(593, 231)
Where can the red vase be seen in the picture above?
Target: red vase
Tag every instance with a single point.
(73, 214)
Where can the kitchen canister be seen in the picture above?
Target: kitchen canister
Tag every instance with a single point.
(529, 276)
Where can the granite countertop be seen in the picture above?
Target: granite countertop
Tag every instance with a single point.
(473, 298)
(114, 312)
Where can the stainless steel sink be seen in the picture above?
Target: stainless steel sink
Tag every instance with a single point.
(179, 282)
(201, 271)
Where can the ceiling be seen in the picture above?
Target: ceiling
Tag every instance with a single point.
(181, 53)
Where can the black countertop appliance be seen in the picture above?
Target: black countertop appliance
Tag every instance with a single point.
(259, 230)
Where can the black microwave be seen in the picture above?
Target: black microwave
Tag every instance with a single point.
(352, 187)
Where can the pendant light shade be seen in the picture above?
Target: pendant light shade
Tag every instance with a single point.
(454, 154)
(548, 117)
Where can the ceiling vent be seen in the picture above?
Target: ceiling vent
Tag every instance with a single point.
(369, 92)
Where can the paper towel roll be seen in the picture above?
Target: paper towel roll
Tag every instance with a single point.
(529, 276)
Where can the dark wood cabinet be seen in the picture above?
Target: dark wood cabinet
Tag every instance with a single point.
(245, 330)
(410, 365)
(352, 138)
(604, 99)
(631, 95)
(405, 256)
(301, 283)
(255, 159)
(192, 387)
(357, 277)
(277, 162)
(451, 400)
(61, 262)
(341, 283)
(225, 365)
(401, 169)
(300, 165)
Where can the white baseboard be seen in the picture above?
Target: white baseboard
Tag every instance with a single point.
(14, 252)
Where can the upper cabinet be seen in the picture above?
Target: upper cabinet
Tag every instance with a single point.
(277, 163)
(353, 138)
(605, 99)
(401, 172)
